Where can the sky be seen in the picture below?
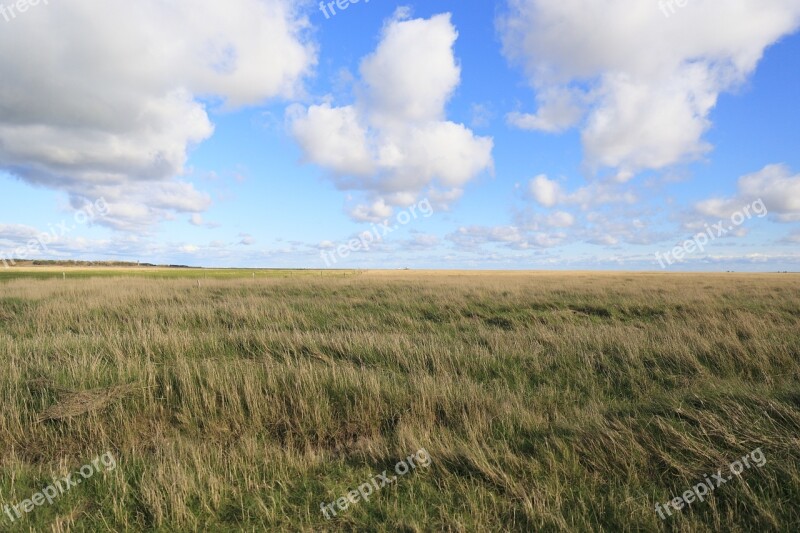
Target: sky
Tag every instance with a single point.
(469, 134)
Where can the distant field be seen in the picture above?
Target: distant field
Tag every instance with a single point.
(42, 273)
(545, 401)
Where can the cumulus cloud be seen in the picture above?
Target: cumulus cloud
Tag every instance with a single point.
(775, 185)
(641, 85)
(376, 212)
(560, 219)
(394, 142)
(613, 228)
(606, 226)
(473, 238)
(247, 239)
(559, 110)
(549, 193)
(105, 99)
(545, 191)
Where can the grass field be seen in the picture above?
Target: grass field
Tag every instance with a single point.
(545, 401)
(44, 273)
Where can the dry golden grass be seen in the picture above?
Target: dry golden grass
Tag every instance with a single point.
(77, 403)
(547, 401)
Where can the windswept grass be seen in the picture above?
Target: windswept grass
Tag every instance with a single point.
(553, 402)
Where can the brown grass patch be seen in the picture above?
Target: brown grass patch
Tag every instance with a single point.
(77, 403)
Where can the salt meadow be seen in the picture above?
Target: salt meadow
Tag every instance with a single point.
(702, 490)
(252, 402)
(365, 490)
(300, 240)
(60, 486)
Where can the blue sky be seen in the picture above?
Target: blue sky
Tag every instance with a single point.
(521, 134)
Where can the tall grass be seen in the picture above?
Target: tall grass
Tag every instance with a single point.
(555, 402)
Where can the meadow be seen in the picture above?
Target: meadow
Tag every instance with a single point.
(546, 401)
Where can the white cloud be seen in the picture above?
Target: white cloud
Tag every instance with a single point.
(560, 219)
(613, 227)
(16, 234)
(606, 226)
(333, 138)
(545, 191)
(549, 193)
(413, 72)
(604, 239)
(376, 212)
(645, 83)
(775, 185)
(105, 99)
(473, 238)
(559, 110)
(394, 142)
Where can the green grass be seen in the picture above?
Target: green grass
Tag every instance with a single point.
(547, 402)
